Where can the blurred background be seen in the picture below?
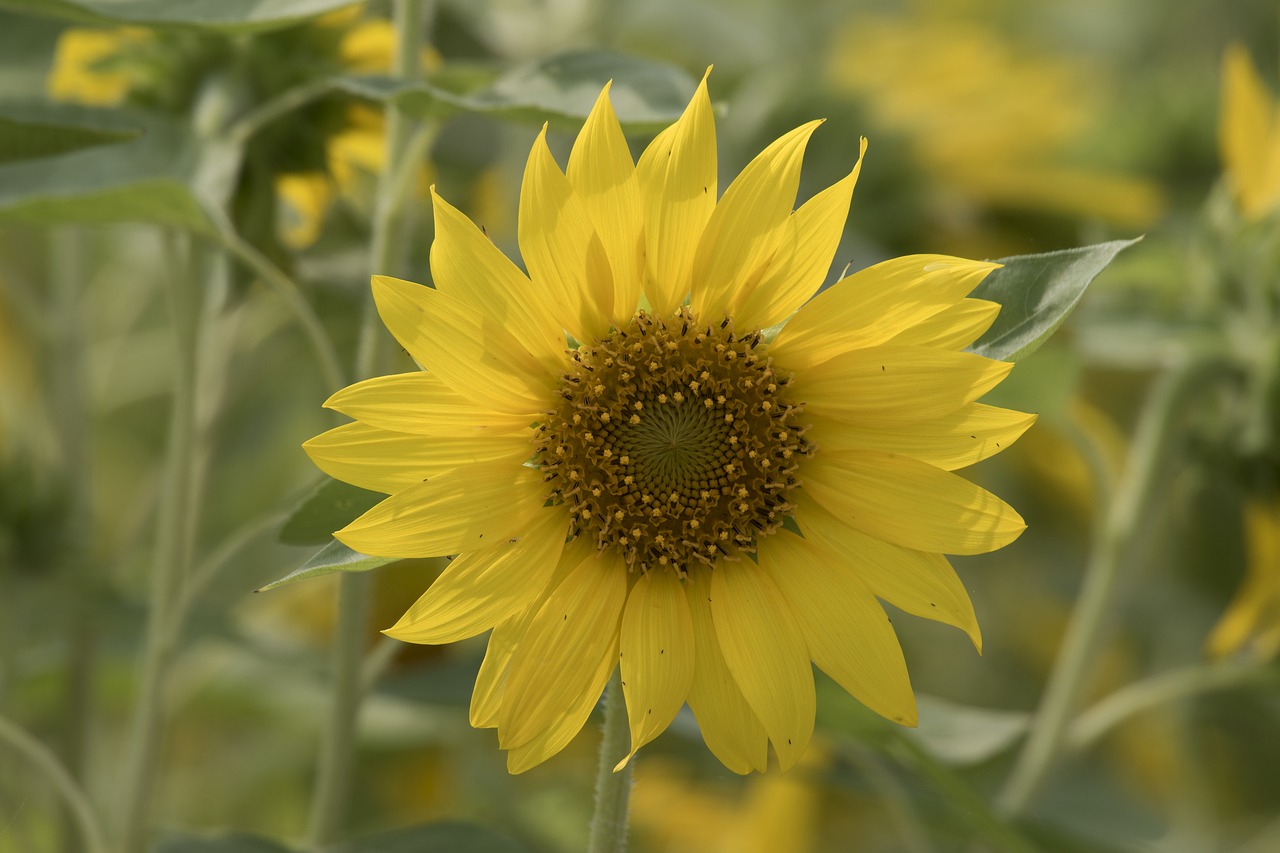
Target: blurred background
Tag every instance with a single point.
(996, 128)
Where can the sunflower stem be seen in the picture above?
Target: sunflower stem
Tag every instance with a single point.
(613, 788)
(331, 795)
(1154, 446)
(169, 565)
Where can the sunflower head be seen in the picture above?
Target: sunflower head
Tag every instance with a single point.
(632, 473)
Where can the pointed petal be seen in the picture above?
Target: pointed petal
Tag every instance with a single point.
(421, 404)
(389, 462)
(466, 265)
(765, 650)
(892, 385)
(1244, 130)
(560, 247)
(819, 225)
(918, 582)
(470, 351)
(486, 699)
(657, 655)
(481, 589)
(746, 228)
(730, 728)
(951, 328)
(460, 510)
(568, 653)
(677, 178)
(970, 434)
(873, 305)
(845, 628)
(910, 503)
(604, 176)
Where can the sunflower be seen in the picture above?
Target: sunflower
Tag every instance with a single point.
(633, 473)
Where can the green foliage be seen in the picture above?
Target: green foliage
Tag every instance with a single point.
(334, 557)
(33, 131)
(331, 506)
(239, 16)
(1036, 293)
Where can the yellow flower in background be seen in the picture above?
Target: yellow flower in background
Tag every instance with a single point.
(987, 124)
(88, 68)
(631, 500)
(1253, 617)
(1249, 135)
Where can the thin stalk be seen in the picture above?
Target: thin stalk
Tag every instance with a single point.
(168, 568)
(275, 279)
(248, 125)
(330, 797)
(1161, 689)
(613, 789)
(1158, 428)
(43, 759)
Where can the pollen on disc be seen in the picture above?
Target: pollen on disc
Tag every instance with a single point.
(674, 441)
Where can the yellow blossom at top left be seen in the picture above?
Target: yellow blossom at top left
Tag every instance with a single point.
(87, 68)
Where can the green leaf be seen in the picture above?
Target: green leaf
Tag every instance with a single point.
(330, 507)
(147, 179)
(227, 15)
(964, 734)
(334, 557)
(1036, 293)
(39, 130)
(234, 842)
(447, 837)
(646, 95)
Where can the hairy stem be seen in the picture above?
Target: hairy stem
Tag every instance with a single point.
(613, 788)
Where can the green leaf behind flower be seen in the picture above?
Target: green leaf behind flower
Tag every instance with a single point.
(1036, 293)
(227, 15)
(146, 179)
(646, 95)
(334, 557)
(332, 506)
(32, 132)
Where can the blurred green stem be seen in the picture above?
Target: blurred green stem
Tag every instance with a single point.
(47, 763)
(170, 559)
(613, 788)
(1154, 443)
(330, 797)
(1166, 687)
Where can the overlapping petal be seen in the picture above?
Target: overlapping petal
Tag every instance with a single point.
(951, 328)
(677, 180)
(387, 462)
(911, 503)
(874, 305)
(422, 404)
(470, 351)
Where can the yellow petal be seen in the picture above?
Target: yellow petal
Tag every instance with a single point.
(560, 247)
(569, 652)
(746, 228)
(472, 353)
(873, 305)
(846, 630)
(466, 265)
(482, 588)
(1256, 605)
(921, 583)
(818, 225)
(730, 728)
(604, 175)
(388, 462)
(460, 510)
(677, 178)
(891, 385)
(970, 434)
(1245, 132)
(910, 503)
(657, 655)
(765, 650)
(421, 404)
(486, 699)
(951, 328)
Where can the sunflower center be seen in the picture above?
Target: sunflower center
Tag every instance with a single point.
(673, 441)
